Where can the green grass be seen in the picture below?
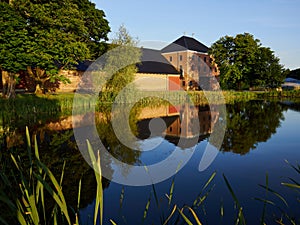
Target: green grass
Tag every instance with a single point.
(30, 105)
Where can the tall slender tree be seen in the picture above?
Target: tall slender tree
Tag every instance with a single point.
(125, 54)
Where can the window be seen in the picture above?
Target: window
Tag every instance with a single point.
(181, 72)
(180, 57)
(199, 68)
(193, 57)
(180, 67)
(204, 59)
(210, 60)
(193, 68)
(171, 58)
(183, 83)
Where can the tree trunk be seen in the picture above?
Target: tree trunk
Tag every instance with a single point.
(11, 90)
(9, 84)
(4, 82)
(38, 89)
(40, 78)
(239, 85)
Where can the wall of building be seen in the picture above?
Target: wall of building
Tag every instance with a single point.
(144, 81)
(151, 82)
(74, 77)
(195, 66)
(174, 82)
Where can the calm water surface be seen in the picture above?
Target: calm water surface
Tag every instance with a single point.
(260, 137)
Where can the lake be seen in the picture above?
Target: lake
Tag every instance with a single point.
(261, 141)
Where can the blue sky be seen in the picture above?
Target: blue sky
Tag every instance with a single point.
(276, 23)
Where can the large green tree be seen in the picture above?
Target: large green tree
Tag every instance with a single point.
(243, 62)
(58, 36)
(54, 30)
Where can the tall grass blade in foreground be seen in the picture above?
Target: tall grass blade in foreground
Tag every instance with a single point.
(99, 196)
(265, 201)
(57, 195)
(275, 193)
(39, 186)
(28, 204)
(184, 217)
(195, 216)
(55, 209)
(29, 150)
(112, 222)
(240, 218)
(170, 216)
(170, 196)
(200, 199)
(78, 203)
(295, 185)
(146, 209)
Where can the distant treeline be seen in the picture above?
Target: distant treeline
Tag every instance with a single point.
(294, 74)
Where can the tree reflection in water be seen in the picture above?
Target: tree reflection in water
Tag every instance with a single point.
(249, 123)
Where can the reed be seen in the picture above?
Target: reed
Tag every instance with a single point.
(293, 184)
(27, 206)
(99, 195)
(240, 217)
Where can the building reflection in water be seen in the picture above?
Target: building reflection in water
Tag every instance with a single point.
(182, 121)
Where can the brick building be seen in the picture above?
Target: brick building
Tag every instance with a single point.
(191, 58)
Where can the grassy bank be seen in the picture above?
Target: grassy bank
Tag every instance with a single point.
(57, 104)
(30, 107)
(238, 96)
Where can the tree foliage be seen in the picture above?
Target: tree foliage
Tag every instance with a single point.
(13, 41)
(249, 123)
(243, 62)
(57, 35)
(97, 27)
(121, 59)
(294, 74)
